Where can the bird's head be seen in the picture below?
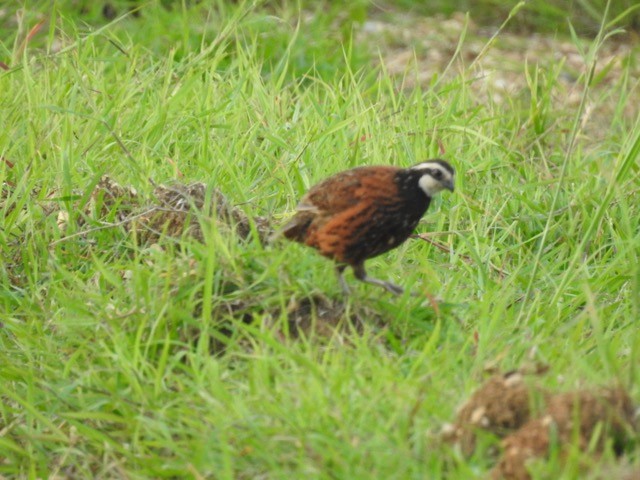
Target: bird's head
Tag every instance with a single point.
(435, 176)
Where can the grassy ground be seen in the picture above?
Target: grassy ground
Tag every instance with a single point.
(105, 343)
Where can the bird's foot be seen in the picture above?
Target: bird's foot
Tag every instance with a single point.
(388, 286)
(361, 274)
(393, 288)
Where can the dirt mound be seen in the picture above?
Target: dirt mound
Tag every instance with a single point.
(314, 317)
(500, 406)
(176, 210)
(588, 419)
(320, 316)
(534, 422)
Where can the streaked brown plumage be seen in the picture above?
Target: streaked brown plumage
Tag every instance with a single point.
(363, 212)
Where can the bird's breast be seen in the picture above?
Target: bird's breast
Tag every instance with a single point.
(381, 228)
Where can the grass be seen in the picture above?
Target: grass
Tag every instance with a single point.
(104, 344)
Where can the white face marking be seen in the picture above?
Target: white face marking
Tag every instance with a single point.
(430, 185)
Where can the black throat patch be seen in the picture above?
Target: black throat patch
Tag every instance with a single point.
(409, 189)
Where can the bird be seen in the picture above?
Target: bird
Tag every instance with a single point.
(363, 212)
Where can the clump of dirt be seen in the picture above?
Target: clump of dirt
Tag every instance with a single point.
(531, 420)
(177, 204)
(315, 316)
(500, 406)
(319, 316)
(177, 210)
(111, 199)
(569, 417)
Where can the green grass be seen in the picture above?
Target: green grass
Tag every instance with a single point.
(105, 366)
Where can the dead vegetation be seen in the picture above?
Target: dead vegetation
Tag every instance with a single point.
(175, 210)
(428, 47)
(507, 70)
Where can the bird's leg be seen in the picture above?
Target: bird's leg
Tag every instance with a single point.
(361, 274)
(343, 283)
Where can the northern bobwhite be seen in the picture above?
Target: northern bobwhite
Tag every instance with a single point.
(366, 211)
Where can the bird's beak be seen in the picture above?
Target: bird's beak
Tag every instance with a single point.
(449, 185)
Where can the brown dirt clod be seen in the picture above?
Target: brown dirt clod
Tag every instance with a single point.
(608, 412)
(319, 316)
(178, 210)
(315, 316)
(501, 405)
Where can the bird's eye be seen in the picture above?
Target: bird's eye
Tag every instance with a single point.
(437, 174)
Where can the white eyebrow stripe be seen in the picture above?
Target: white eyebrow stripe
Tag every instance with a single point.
(420, 166)
(432, 165)
(426, 165)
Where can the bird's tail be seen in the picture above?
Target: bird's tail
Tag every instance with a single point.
(295, 229)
